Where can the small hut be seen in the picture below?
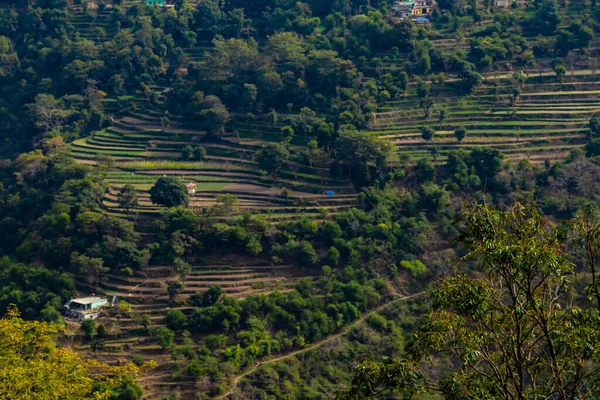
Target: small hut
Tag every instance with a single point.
(191, 188)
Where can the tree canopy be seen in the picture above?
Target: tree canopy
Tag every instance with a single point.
(508, 333)
(32, 368)
(169, 191)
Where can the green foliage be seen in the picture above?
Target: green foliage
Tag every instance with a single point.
(214, 342)
(207, 298)
(526, 273)
(365, 156)
(128, 198)
(138, 360)
(174, 288)
(416, 267)
(592, 146)
(325, 81)
(175, 320)
(546, 19)
(273, 158)
(164, 336)
(199, 153)
(181, 268)
(427, 133)
(332, 257)
(169, 191)
(425, 170)
(460, 134)
(88, 327)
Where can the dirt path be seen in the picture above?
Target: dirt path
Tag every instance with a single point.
(237, 378)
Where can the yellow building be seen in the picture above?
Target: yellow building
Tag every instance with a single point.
(418, 11)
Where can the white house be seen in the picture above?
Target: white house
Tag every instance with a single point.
(85, 307)
(191, 188)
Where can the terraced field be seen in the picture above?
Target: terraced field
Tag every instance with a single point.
(95, 26)
(145, 150)
(148, 295)
(238, 281)
(543, 123)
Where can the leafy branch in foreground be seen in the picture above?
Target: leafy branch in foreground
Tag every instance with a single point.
(32, 368)
(508, 332)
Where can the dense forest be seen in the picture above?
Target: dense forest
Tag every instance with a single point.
(280, 199)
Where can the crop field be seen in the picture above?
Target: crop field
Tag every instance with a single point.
(144, 150)
(148, 295)
(543, 122)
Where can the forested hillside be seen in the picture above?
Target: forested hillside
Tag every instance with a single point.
(285, 199)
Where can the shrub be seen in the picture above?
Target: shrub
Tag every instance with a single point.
(88, 327)
(213, 342)
(199, 153)
(332, 257)
(416, 267)
(377, 321)
(329, 231)
(196, 369)
(138, 360)
(164, 336)
(175, 320)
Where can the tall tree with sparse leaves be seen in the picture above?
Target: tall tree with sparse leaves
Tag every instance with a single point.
(509, 332)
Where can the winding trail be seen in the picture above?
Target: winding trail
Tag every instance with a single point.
(237, 378)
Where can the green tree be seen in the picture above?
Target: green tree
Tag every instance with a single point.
(227, 205)
(169, 191)
(174, 288)
(433, 197)
(422, 89)
(34, 368)
(207, 298)
(443, 115)
(592, 147)
(164, 336)
(332, 257)
(175, 320)
(287, 134)
(187, 152)
(144, 320)
(427, 133)
(547, 19)
(90, 267)
(593, 127)
(254, 247)
(460, 134)
(403, 82)
(272, 158)
(425, 170)
(559, 69)
(486, 162)
(213, 342)
(214, 119)
(199, 153)
(127, 198)
(50, 113)
(88, 327)
(181, 268)
(365, 155)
